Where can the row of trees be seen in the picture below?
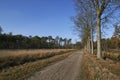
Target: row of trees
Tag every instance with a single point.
(91, 16)
(109, 43)
(9, 41)
(114, 41)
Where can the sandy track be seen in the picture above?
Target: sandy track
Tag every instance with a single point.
(67, 69)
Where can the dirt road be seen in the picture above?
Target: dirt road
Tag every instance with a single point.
(67, 69)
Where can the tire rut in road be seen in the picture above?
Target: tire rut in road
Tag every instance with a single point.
(67, 69)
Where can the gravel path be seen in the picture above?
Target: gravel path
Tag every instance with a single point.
(67, 69)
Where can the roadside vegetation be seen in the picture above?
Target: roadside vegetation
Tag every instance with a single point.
(101, 60)
(21, 66)
(21, 56)
(113, 55)
(14, 60)
(99, 69)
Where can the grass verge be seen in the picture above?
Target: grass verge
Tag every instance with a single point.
(21, 71)
(11, 61)
(98, 69)
(112, 55)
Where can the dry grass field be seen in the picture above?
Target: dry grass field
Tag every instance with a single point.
(16, 64)
(112, 54)
(6, 53)
(99, 69)
(17, 57)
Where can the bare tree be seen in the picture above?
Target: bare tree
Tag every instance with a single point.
(116, 35)
(85, 22)
(57, 41)
(117, 31)
(104, 8)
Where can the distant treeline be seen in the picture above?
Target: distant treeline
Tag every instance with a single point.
(110, 43)
(9, 41)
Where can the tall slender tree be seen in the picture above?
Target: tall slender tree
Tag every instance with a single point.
(103, 9)
(85, 22)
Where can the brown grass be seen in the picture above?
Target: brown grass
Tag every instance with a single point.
(27, 56)
(20, 71)
(113, 55)
(99, 69)
(6, 53)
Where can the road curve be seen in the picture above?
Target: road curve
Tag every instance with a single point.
(67, 69)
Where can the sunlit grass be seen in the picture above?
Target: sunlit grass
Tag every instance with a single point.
(5, 53)
(99, 69)
(14, 67)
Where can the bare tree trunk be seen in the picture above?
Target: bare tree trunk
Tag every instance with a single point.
(88, 45)
(91, 32)
(99, 52)
(92, 40)
(85, 48)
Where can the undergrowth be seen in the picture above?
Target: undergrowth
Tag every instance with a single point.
(99, 69)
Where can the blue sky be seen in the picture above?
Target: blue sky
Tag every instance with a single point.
(38, 17)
